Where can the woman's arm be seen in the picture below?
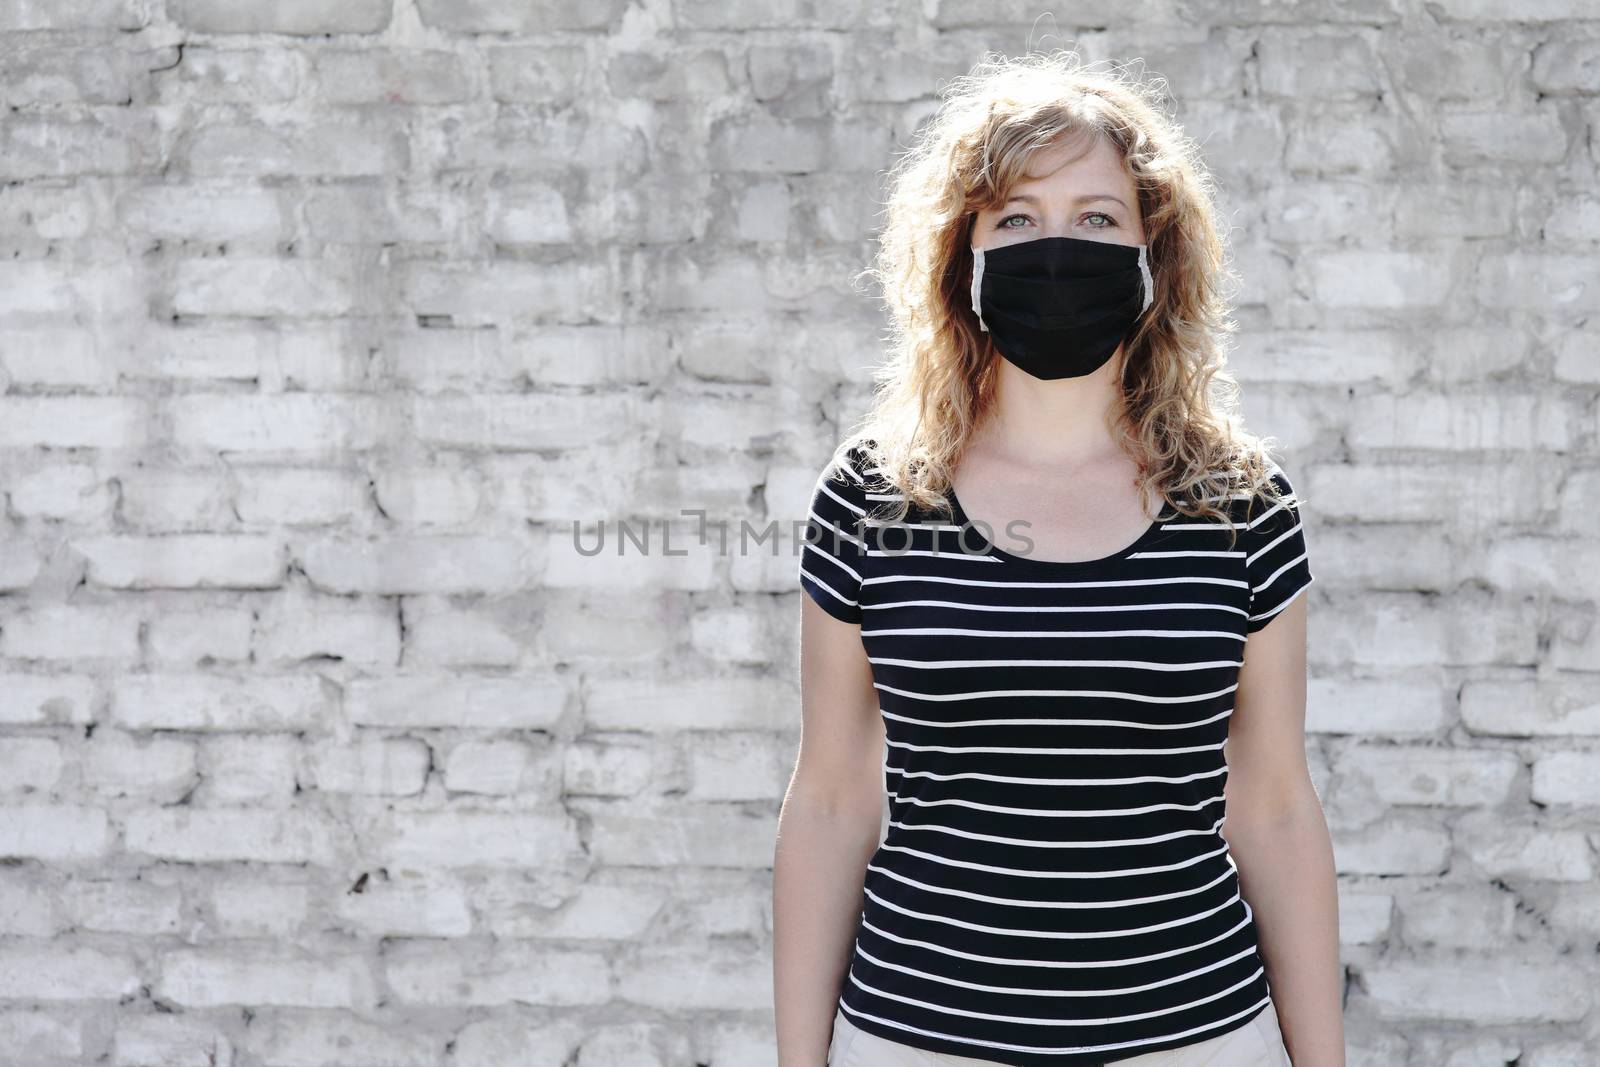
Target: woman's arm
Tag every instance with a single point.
(1279, 839)
(828, 829)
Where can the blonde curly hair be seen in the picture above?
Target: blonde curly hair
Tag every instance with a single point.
(1179, 418)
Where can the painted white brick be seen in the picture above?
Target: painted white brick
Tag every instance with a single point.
(1567, 778)
(306, 1037)
(500, 768)
(121, 907)
(218, 834)
(117, 763)
(1502, 992)
(370, 766)
(241, 769)
(1557, 708)
(1365, 918)
(1396, 846)
(169, 1040)
(497, 973)
(426, 700)
(29, 766)
(364, 632)
(1472, 916)
(250, 906)
(1519, 850)
(407, 907)
(212, 702)
(49, 1033)
(1443, 776)
(208, 978)
(54, 832)
(31, 699)
(64, 971)
(607, 767)
(420, 841)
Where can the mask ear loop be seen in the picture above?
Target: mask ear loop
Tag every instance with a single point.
(1149, 298)
(1149, 282)
(977, 287)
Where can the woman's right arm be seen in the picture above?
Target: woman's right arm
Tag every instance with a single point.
(828, 829)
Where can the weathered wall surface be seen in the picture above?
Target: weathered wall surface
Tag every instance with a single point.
(320, 743)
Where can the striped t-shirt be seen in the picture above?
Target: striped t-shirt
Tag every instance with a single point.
(1053, 889)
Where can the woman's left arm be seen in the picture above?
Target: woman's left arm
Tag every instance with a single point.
(1279, 839)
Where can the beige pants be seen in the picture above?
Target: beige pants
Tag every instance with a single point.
(1258, 1043)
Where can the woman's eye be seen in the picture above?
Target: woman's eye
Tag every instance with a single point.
(1005, 223)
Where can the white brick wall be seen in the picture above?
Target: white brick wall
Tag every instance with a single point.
(320, 744)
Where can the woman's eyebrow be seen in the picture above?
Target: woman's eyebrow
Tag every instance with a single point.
(1086, 198)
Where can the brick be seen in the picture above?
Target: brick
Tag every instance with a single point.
(597, 767)
(726, 976)
(392, 76)
(1503, 991)
(364, 632)
(1566, 65)
(292, 17)
(1397, 846)
(1556, 708)
(114, 141)
(30, 765)
(535, 16)
(306, 1037)
(125, 15)
(249, 906)
(109, 633)
(167, 1040)
(408, 907)
(495, 768)
(1528, 11)
(1478, 137)
(207, 702)
(184, 561)
(465, 839)
(136, 908)
(1374, 278)
(1335, 66)
(1520, 851)
(713, 704)
(369, 766)
(420, 701)
(1466, 917)
(46, 1033)
(1567, 778)
(55, 971)
(496, 974)
(421, 564)
(249, 834)
(72, 422)
(190, 638)
(1364, 918)
(692, 835)
(208, 977)
(597, 912)
(241, 769)
(1501, 421)
(117, 763)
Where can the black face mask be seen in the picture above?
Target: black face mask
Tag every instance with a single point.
(1058, 307)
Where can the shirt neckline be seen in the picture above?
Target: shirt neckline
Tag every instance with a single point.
(1011, 560)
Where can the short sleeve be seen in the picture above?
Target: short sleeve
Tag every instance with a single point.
(830, 560)
(1276, 562)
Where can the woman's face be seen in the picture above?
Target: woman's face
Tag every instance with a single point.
(1091, 198)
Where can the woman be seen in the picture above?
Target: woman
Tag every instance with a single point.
(1053, 601)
